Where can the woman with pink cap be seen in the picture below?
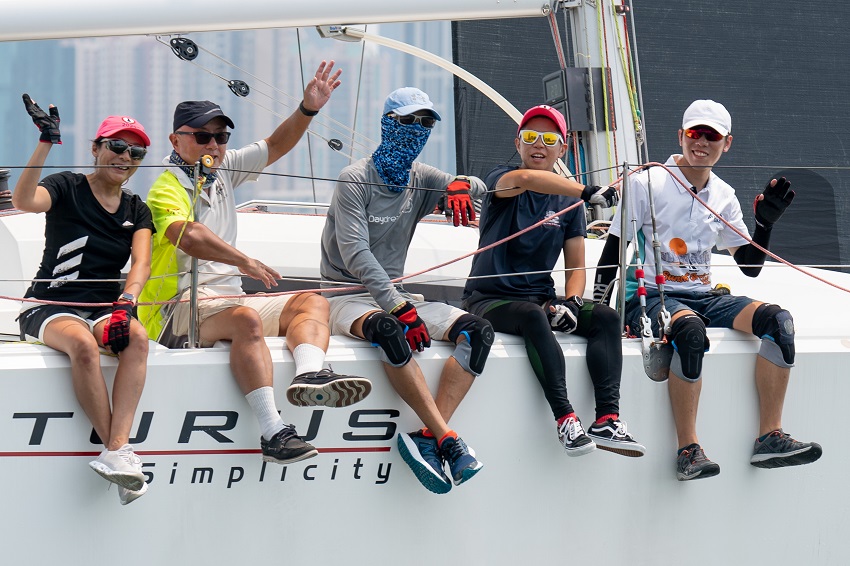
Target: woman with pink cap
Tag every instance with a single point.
(92, 227)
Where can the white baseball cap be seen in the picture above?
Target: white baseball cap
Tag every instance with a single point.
(707, 113)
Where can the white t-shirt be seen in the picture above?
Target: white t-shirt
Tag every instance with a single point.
(687, 231)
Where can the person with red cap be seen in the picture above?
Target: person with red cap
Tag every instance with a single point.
(93, 225)
(512, 287)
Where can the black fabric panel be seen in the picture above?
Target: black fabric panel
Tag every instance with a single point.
(782, 69)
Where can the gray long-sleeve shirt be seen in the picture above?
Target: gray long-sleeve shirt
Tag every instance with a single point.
(369, 228)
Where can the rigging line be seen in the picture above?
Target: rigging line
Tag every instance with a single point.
(625, 60)
(686, 186)
(320, 121)
(304, 86)
(359, 83)
(607, 86)
(346, 130)
(556, 38)
(634, 52)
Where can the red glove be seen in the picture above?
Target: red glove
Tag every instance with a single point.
(459, 202)
(415, 330)
(116, 333)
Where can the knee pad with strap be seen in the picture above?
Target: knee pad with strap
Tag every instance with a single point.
(385, 331)
(775, 327)
(690, 344)
(472, 353)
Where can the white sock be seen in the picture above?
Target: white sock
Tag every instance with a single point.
(262, 402)
(308, 358)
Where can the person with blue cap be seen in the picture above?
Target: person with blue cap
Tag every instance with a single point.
(376, 206)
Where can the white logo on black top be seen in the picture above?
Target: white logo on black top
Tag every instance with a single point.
(62, 272)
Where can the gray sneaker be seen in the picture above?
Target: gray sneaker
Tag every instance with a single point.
(121, 467)
(779, 450)
(692, 464)
(128, 496)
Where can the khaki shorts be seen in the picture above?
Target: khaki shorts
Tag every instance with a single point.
(346, 309)
(269, 309)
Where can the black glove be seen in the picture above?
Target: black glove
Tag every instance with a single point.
(600, 196)
(116, 333)
(49, 125)
(415, 330)
(563, 315)
(776, 200)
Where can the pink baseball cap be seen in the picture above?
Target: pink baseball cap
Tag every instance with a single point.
(548, 112)
(114, 124)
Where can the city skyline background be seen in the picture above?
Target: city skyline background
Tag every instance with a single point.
(139, 76)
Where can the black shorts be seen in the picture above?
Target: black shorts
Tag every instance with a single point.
(33, 321)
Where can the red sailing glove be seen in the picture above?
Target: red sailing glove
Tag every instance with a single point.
(459, 201)
(415, 330)
(116, 333)
(48, 125)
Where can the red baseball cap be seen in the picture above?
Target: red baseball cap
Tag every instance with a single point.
(114, 124)
(548, 112)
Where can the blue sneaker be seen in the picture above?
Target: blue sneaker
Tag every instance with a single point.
(461, 459)
(420, 452)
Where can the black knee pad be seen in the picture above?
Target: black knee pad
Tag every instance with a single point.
(472, 354)
(773, 323)
(385, 331)
(690, 342)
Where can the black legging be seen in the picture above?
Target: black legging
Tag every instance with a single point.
(598, 323)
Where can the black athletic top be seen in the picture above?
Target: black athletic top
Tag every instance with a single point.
(536, 250)
(84, 241)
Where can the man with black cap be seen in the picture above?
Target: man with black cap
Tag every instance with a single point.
(206, 229)
(512, 287)
(376, 206)
(687, 231)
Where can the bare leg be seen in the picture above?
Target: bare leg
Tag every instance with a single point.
(73, 337)
(304, 320)
(455, 382)
(250, 359)
(684, 399)
(410, 385)
(128, 385)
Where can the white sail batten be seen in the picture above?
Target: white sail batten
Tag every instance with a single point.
(92, 18)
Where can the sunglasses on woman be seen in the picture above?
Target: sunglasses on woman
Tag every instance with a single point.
(549, 138)
(697, 133)
(203, 138)
(425, 121)
(118, 147)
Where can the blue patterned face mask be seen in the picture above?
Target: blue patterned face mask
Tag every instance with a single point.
(400, 146)
(190, 169)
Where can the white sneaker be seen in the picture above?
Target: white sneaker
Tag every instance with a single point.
(128, 495)
(573, 438)
(121, 467)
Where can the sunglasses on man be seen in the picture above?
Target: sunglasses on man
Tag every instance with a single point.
(410, 119)
(118, 147)
(203, 138)
(697, 133)
(549, 138)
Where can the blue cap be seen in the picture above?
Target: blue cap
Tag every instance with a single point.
(408, 100)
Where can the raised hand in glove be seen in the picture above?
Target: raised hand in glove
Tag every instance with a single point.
(116, 333)
(563, 315)
(415, 330)
(600, 196)
(47, 124)
(459, 202)
(774, 200)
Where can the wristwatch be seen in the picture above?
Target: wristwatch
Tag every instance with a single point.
(579, 302)
(127, 297)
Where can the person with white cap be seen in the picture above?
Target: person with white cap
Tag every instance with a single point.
(376, 206)
(93, 225)
(687, 232)
(206, 230)
(512, 287)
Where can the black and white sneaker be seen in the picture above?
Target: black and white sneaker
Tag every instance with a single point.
(613, 436)
(286, 447)
(779, 450)
(573, 438)
(328, 389)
